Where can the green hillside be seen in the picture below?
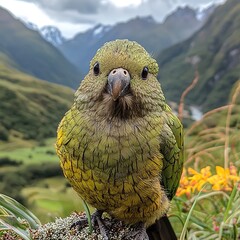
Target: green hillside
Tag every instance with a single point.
(32, 54)
(216, 50)
(30, 108)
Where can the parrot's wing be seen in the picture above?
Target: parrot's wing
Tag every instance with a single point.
(171, 146)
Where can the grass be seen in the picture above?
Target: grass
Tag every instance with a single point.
(47, 197)
(208, 215)
(34, 154)
(50, 198)
(213, 161)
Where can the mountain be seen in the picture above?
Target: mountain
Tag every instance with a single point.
(32, 54)
(30, 108)
(215, 48)
(152, 35)
(53, 35)
(29, 25)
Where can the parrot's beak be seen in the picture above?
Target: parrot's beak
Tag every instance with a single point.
(118, 82)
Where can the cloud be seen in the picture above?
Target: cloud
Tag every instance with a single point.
(74, 11)
(104, 11)
(92, 12)
(81, 6)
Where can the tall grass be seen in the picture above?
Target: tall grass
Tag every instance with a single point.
(212, 161)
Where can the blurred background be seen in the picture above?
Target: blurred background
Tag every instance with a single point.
(45, 49)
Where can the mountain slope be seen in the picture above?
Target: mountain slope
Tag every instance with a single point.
(30, 108)
(152, 35)
(216, 50)
(32, 54)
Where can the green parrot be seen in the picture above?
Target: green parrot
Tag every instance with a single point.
(120, 145)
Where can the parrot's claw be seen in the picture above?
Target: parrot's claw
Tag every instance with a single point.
(96, 219)
(80, 223)
(138, 233)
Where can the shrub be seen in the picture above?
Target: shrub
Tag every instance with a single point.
(5, 161)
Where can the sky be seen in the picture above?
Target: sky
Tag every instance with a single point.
(74, 16)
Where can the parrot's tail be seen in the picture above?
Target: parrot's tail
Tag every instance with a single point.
(161, 230)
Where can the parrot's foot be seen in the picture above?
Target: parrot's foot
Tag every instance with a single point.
(96, 219)
(80, 223)
(138, 233)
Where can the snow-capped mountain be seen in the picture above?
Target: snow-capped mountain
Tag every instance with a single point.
(99, 30)
(49, 33)
(52, 35)
(28, 24)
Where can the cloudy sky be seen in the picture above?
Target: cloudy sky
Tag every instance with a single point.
(73, 16)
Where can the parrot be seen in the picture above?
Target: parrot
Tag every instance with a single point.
(120, 145)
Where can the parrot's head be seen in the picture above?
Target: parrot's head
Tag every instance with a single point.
(122, 82)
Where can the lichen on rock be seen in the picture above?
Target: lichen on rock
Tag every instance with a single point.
(61, 229)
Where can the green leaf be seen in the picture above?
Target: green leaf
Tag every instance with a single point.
(11, 223)
(89, 218)
(184, 231)
(16, 209)
(230, 202)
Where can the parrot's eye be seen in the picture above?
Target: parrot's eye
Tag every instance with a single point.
(144, 73)
(96, 69)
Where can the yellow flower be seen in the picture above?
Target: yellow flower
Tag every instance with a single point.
(199, 179)
(223, 180)
(184, 186)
